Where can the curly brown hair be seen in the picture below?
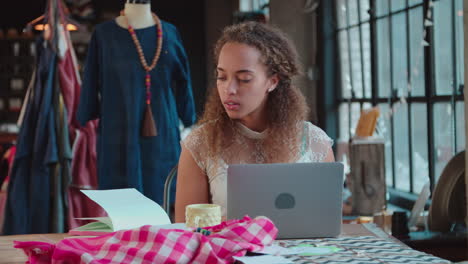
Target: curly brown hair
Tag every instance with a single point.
(286, 105)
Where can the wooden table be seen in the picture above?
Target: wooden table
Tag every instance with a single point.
(8, 254)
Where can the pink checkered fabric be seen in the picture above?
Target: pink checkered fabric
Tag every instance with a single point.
(150, 244)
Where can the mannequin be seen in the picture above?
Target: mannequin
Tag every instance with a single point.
(138, 13)
(119, 88)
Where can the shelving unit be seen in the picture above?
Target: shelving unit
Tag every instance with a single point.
(17, 56)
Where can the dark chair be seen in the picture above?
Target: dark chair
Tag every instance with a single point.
(167, 190)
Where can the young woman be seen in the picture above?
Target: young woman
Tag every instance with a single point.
(255, 115)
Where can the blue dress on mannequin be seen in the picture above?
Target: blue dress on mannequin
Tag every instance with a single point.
(113, 90)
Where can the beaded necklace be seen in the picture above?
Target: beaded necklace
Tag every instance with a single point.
(149, 126)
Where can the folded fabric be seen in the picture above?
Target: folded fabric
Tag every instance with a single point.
(150, 244)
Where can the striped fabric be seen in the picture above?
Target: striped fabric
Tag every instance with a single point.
(150, 244)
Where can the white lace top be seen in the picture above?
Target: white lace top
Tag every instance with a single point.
(315, 144)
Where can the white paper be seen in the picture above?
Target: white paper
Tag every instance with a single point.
(128, 208)
(309, 251)
(107, 221)
(273, 250)
(298, 250)
(264, 259)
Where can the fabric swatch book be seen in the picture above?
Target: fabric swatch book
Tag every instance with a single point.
(126, 209)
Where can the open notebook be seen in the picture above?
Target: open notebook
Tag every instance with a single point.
(126, 209)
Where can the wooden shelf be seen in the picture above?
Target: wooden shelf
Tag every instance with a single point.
(7, 137)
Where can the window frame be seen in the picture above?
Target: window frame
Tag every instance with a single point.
(430, 97)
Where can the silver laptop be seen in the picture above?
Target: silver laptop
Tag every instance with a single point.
(304, 200)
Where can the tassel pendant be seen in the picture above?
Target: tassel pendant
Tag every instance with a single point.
(149, 126)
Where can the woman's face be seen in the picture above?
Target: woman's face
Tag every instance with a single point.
(242, 81)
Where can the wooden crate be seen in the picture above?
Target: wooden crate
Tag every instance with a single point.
(367, 159)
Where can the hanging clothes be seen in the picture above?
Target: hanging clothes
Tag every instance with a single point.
(40, 194)
(69, 79)
(28, 208)
(113, 90)
(83, 166)
(61, 170)
(41, 171)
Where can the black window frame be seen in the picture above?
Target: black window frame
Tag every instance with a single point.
(429, 99)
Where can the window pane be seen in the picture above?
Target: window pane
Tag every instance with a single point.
(443, 136)
(356, 62)
(397, 4)
(245, 5)
(402, 167)
(459, 41)
(420, 150)
(383, 54)
(384, 129)
(344, 64)
(460, 126)
(443, 39)
(414, 2)
(364, 7)
(417, 51)
(399, 54)
(252, 5)
(341, 13)
(344, 123)
(355, 114)
(381, 7)
(366, 53)
(353, 12)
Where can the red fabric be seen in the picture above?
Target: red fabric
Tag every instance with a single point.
(37, 252)
(10, 157)
(84, 157)
(84, 177)
(70, 87)
(150, 244)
